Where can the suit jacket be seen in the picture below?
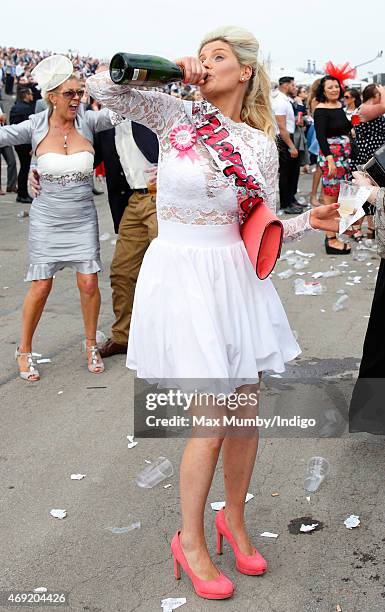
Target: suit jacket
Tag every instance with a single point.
(118, 189)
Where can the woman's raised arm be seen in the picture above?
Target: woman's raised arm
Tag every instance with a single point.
(151, 108)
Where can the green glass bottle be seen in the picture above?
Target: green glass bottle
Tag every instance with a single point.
(151, 70)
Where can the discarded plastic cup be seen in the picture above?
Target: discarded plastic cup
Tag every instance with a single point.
(341, 303)
(154, 473)
(302, 287)
(317, 469)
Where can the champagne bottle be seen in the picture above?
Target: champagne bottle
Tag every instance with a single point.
(151, 70)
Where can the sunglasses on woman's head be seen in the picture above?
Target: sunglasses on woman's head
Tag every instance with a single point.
(71, 93)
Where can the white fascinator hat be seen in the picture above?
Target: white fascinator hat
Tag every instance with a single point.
(52, 72)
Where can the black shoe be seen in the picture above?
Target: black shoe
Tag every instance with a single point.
(292, 210)
(27, 200)
(11, 189)
(332, 250)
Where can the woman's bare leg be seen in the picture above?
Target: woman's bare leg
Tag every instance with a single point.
(238, 457)
(33, 307)
(90, 303)
(314, 188)
(334, 242)
(196, 474)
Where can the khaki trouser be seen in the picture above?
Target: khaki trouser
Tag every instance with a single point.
(136, 230)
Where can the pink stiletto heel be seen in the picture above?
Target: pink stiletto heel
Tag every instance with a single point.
(176, 569)
(219, 588)
(219, 543)
(252, 565)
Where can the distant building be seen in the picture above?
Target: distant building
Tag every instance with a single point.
(379, 78)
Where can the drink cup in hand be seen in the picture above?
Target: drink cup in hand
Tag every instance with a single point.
(151, 175)
(347, 198)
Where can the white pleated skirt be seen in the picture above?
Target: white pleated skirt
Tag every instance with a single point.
(201, 313)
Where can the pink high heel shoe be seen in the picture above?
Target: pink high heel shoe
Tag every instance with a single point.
(219, 588)
(252, 565)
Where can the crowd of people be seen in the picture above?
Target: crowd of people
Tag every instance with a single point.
(188, 306)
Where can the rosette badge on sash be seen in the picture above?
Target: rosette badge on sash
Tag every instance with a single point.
(183, 138)
(261, 230)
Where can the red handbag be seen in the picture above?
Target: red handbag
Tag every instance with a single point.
(262, 234)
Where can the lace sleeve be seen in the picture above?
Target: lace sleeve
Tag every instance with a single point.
(148, 107)
(293, 228)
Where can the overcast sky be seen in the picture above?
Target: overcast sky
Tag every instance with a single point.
(290, 32)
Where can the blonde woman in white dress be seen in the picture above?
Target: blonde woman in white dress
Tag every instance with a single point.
(200, 312)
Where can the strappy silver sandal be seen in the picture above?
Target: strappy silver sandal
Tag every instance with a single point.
(33, 373)
(96, 366)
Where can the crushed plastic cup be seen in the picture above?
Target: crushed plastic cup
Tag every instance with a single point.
(155, 473)
(301, 287)
(318, 468)
(286, 274)
(331, 273)
(341, 303)
(361, 255)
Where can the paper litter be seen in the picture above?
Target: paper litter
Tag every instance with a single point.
(58, 513)
(352, 521)
(307, 528)
(120, 530)
(221, 504)
(131, 442)
(172, 603)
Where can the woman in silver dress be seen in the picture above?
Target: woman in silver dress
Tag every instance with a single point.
(63, 228)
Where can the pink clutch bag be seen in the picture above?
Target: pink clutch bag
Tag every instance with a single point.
(262, 234)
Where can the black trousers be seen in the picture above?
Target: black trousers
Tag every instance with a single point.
(9, 80)
(289, 168)
(367, 407)
(24, 155)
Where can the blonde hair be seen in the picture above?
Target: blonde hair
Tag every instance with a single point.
(311, 99)
(256, 108)
(48, 102)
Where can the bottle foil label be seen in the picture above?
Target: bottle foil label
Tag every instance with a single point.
(139, 74)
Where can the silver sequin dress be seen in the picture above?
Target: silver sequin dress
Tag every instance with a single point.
(63, 228)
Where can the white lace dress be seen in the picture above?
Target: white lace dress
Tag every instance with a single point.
(200, 312)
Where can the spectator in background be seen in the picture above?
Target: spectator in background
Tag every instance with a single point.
(352, 100)
(9, 70)
(10, 160)
(19, 70)
(288, 153)
(21, 111)
(300, 141)
(312, 143)
(332, 129)
(374, 103)
(369, 136)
